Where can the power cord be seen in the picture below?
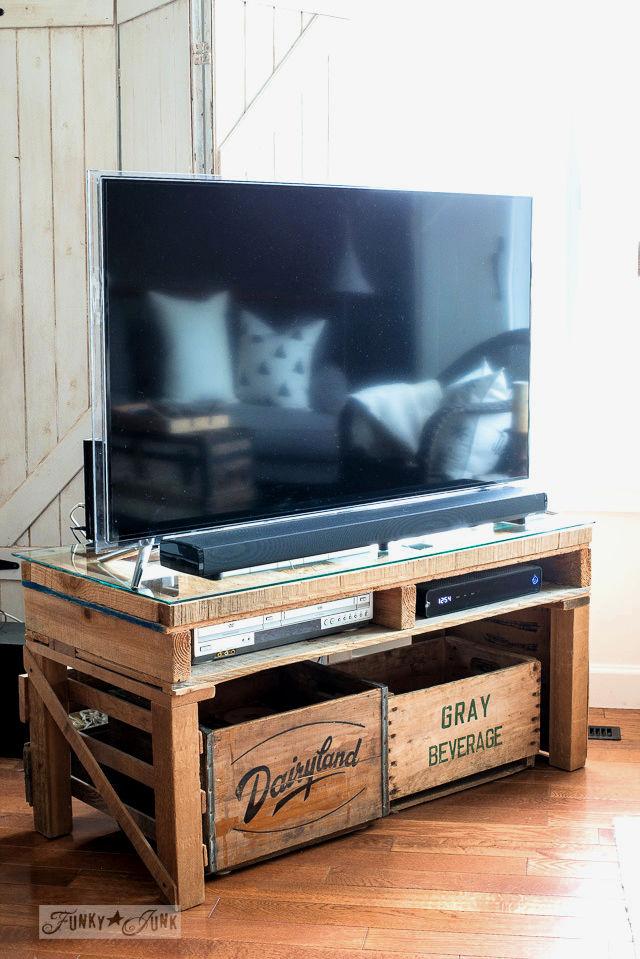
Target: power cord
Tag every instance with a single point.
(77, 527)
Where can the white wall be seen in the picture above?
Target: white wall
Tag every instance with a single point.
(615, 611)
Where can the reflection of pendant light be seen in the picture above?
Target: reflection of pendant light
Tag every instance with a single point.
(349, 277)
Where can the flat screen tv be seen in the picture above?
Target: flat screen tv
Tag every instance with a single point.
(302, 360)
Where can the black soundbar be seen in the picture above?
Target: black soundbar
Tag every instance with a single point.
(217, 551)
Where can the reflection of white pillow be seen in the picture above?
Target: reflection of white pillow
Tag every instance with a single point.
(197, 361)
(274, 368)
(401, 409)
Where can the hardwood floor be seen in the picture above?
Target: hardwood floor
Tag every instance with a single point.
(524, 868)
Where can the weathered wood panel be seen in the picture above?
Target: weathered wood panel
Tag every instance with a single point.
(57, 99)
(56, 13)
(128, 9)
(145, 652)
(69, 247)
(285, 128)
(100, 103)
(34, 78)
(228, 65)
(155, 90)
(12, 421)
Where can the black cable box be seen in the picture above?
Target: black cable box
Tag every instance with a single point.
(477, 589)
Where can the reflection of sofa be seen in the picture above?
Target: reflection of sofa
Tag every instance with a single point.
(294, 445)
(467, 437)
(170, 350)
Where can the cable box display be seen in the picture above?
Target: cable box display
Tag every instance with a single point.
(280, 628)
(477, 589)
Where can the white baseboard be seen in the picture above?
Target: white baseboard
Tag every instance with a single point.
(615, 686)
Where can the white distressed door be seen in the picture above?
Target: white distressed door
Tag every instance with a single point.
(57, 104)
(277, 74)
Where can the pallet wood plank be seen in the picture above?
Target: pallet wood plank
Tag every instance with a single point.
(87, 590)
(203, 601)
(116, 807)
(176, 762)
(122, 762)
(84, 695)
(569, 692)
(147, 652)
(23, 697)
(569, 569)
(267, 591)
(208, 674)
(50, 757)
(34, 642)
(395, 607)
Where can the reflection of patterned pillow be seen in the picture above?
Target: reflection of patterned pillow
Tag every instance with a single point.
(274, 369)
(470, 444)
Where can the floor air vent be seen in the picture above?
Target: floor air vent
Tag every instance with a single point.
(611, 733)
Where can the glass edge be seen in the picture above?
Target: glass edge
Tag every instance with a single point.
(97, 355)
(515, 535)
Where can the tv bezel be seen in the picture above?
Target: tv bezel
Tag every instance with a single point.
(409, 515)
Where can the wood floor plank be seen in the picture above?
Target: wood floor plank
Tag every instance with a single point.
(434, 860)
(487, 947)
(573, 868)
(464, 900)
(434, 920)
(485, 882)
(593, 852)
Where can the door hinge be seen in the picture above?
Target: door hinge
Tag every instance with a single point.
(201, 53)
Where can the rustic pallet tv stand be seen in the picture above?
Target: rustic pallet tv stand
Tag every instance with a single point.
(89, 636)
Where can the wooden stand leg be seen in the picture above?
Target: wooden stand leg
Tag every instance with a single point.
(176, 763)
(569, 687)
(50, 758)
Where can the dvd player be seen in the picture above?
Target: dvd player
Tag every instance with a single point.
(277, 629)
(477, 589)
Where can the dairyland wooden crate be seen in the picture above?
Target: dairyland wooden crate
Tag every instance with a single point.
(291, 756)
(459, 713)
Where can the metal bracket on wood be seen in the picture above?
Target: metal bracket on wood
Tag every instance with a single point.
(201, 53)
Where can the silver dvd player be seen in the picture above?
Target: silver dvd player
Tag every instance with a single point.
(277, 629)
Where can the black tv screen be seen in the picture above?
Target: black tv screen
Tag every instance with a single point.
(274, 349)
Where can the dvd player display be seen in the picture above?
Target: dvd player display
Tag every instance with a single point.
(477, 589)
(277, 629)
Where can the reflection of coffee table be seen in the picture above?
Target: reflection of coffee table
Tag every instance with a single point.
(194, 464)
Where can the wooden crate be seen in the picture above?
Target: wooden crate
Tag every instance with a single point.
(457, 709)
(290, 756)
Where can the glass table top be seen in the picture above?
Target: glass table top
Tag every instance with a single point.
(167, 586)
